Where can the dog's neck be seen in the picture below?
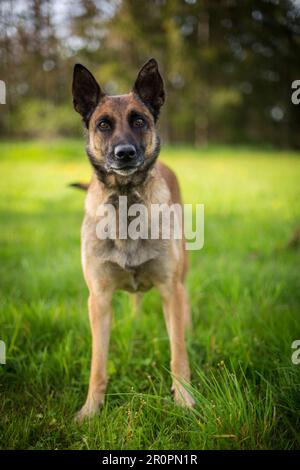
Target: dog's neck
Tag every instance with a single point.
(137, 190)
(125, 185)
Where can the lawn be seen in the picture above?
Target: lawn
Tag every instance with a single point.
(244, 288)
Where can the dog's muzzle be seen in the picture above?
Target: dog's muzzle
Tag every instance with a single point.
(126, 159)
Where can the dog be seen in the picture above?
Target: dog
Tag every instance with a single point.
(123, 146)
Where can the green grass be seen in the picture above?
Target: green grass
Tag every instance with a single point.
(244, 289)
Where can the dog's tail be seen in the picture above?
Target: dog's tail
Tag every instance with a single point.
(83, 186)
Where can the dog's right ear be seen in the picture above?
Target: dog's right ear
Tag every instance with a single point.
(86, 92)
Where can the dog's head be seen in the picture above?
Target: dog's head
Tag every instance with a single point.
(122, 139)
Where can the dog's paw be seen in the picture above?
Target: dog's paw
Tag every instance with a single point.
(88, 411)
(182, 397)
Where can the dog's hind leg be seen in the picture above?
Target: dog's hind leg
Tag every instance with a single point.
(100, 314)
(174, 303)
(136, 300)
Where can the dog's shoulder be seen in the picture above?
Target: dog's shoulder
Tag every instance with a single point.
(171, 181)
(95, 196)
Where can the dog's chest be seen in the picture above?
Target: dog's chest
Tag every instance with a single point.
(130, 264)
(135, 265)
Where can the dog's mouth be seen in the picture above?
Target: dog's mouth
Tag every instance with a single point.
(125, 170)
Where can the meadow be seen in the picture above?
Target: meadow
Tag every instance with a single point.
(244, 288)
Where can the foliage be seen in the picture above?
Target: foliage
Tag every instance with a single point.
(43, 118)
(228, 66)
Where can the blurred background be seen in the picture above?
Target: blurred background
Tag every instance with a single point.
(228, 66)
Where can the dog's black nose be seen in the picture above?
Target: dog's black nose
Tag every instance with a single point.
(125, 152)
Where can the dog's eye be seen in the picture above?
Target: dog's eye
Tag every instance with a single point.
(104, 125)
(138, 122)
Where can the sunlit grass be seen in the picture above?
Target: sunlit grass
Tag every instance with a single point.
(245, 296)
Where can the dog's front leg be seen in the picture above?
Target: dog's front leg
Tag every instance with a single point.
(100, 314)
(174, 298)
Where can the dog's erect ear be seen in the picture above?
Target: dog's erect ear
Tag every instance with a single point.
(149, 86)
(86, 92)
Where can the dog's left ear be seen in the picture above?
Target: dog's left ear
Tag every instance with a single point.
(149, 86)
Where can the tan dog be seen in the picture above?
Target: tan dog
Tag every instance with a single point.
(123, 146)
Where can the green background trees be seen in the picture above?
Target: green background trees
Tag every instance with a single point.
(228, 66)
